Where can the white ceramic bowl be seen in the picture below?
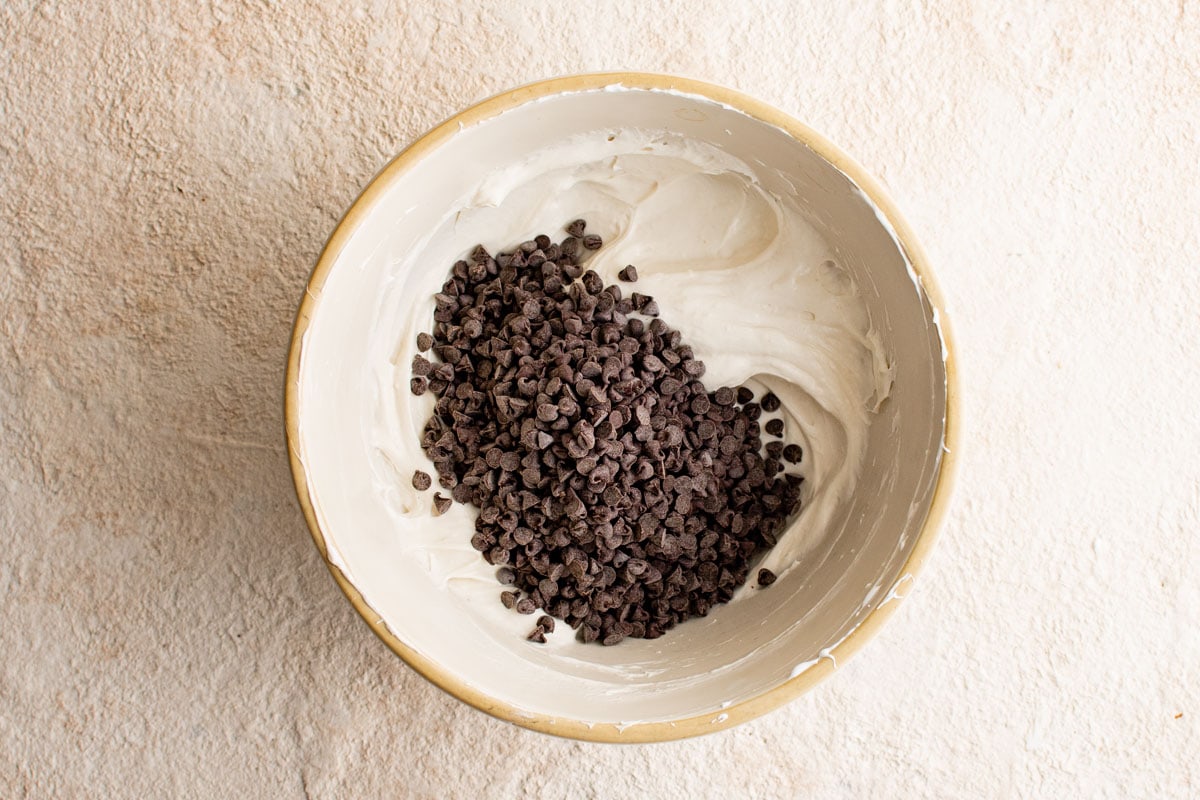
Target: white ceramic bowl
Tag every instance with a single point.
(741, 661)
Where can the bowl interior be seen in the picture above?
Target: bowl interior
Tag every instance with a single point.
(432, 605)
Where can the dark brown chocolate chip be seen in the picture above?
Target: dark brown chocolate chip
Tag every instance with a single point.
(792, 453)
(418, 386)
(440, 504)
(575, 228)
(770, 403)
(592, 241)
(744, 395)
(765, 577)
(629, 274)
(774, 427)
(421, 480)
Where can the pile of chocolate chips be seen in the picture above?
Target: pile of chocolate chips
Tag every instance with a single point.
(615, 491)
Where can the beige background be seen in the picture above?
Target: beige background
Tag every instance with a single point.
(169, 173)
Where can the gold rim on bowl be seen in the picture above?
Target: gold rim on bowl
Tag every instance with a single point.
(649, 731)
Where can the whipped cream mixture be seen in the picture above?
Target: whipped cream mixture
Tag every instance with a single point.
(753, 287)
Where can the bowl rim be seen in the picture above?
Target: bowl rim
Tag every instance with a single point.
(743, 711)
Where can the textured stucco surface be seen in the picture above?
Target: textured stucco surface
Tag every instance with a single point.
(169, 174)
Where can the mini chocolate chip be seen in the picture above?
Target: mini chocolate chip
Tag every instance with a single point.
(792, 453)
(765, 577)
(440, 504)
(424, 341)
(744, 395)
(421, 365)
(770, 402)
(421, 480)
(629, 274)
(592, 241)
(418, 386)
(653, 363)
(592, 282)
(774, 427)
(575, 228)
